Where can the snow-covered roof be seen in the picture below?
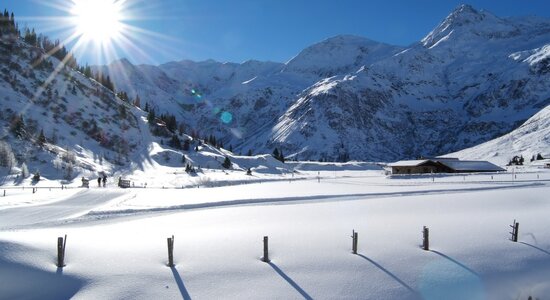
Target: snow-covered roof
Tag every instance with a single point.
(471, 165)
(453, 163)
(408, 163)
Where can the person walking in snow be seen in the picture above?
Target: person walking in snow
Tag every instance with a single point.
(99, 181)
(104, 180)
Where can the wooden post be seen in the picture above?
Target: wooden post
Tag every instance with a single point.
(171, 251)
(266, 250)
(426, 239)
(515, 231)
(61, 243)
(355, 238)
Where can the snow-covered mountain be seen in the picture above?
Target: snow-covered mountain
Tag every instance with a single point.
(56, 122)
(529, 140)
(475, 77)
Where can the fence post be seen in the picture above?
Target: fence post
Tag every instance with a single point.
(171, 251)
(426, 239)
(355, 238)
(515, 231)
(61, 243)
(266, 250)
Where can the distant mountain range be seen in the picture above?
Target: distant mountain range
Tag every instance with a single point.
(475, 77)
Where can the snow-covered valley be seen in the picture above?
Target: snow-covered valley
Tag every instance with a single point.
(116, 239)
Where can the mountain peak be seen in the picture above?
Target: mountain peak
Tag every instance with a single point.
(463, 15)
(465, 20)
(339, 55)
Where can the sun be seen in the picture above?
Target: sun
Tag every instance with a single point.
(98, 21)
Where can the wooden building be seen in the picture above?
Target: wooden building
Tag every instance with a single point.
(442, 165)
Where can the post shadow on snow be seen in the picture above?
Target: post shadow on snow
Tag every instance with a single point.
(389, 274)
(20, 281)
(290, 281)
(456, 262)
(183, 291)
(535, 247)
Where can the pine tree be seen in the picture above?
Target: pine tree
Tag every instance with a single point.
(41, 140)
(151, 116)
(227, 163)
(175, 142)
(276, 153)
(18, 126)
(186, 145)
(137, 101)
(249, 152)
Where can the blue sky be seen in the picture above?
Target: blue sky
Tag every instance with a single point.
(275, 30)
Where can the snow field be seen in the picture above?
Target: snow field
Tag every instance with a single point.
(218, 249)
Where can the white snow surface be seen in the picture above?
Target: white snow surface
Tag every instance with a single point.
(531, 138)
(116, 245)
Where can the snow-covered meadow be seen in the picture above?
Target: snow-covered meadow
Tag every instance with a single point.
(116, 245)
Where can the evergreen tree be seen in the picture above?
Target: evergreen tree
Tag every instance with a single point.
(137, 101)
(249, 152)
(151, 116)
(539, 157)
(18, 126)
(276, 153)
(227, 163)
(186, 145)
(175, 142)
(41, 140)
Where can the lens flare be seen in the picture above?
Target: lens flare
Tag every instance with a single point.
(226, 117)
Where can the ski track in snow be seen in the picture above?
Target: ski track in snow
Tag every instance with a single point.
(71, 207)
(80, 208)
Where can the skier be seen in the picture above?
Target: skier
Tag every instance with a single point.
(99, 181)
(104, 180)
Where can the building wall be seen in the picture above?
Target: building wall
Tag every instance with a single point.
(415, 170)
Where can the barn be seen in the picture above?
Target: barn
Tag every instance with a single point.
(442, 165)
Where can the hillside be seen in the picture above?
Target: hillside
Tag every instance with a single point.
(474, 77)
(60, 124)
(530, 139)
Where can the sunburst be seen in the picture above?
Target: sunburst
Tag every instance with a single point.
(98, 21)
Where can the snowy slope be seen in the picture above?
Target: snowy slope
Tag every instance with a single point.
(474, 77)
(461, 85)
(531, 138)
(88, 131)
